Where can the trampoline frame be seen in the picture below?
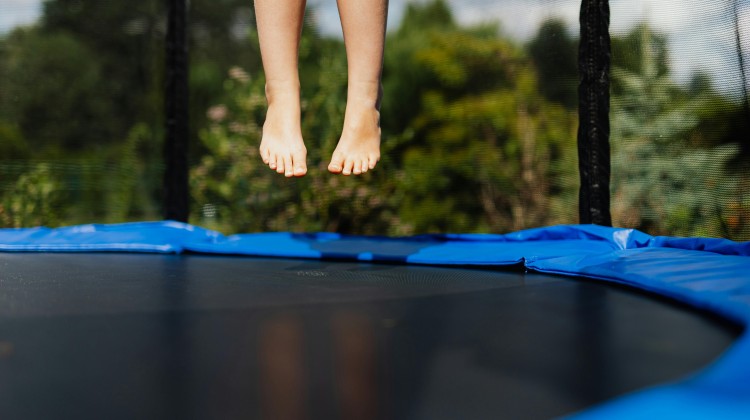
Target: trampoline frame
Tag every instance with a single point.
(708, 274)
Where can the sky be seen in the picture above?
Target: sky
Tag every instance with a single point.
(696, 41)
(18, 12)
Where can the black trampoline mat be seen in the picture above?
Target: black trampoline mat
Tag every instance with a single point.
(163, 336)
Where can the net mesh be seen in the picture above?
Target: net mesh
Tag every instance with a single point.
(80, 112)
(479, 118)
(680, 117)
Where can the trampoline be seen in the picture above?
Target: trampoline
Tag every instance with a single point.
(163, 319)
(170, 320)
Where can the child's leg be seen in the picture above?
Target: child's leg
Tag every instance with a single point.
(279, 26)
(364, 35)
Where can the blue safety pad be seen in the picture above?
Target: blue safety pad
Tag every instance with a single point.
(710, 274)
(451, 249)
(721, 391)
(707, 280)
(161, 237)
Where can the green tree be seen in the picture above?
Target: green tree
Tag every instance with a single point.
(469, 144)
(233, 191)
(481, 149)
(628, 52)
(555, 56)
(125, 40)
(487, 147)
(52, 92)
(663, 182)
(33, 200)
(404, 79)
(82, 90)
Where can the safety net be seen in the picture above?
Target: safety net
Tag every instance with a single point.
(679, 117)
(479, 118)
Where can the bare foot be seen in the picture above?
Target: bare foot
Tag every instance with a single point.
(282, 147)
(359, 147)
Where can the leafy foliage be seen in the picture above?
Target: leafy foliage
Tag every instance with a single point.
(660, 184)
(478, 130)
(479, 154)
(36, 84)
(235, 191)
(33, 199)
(555, 54)
(440, 171)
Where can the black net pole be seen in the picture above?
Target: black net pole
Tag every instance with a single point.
(743, 77)
(176, 104)
(593, 99)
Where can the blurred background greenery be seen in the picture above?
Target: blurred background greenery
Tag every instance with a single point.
(479, 128)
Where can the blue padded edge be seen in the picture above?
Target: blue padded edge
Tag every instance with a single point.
(706, 280)
(156, 237)
(710, 274)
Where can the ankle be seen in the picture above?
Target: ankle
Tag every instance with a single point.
(361, 116)
(365, 94)
(282, 91)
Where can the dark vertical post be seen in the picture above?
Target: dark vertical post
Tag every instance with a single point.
(593, 101)
(176, 106)
(743, 77)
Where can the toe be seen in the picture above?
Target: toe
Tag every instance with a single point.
(365, 165)
(348, 166)
(264, 154)
(272, 162)
(288, 167)
(280, 164)
(372, 162)
(299, 162)
(357, 167)
(337, 163)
